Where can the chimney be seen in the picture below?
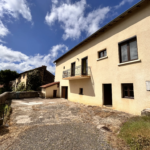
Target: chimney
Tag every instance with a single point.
(44, 67)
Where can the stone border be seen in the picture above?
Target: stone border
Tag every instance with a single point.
(17, 95)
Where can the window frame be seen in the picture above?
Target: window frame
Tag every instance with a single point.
(80, 91)
(127, 41)
(99, 52)
(128, 90)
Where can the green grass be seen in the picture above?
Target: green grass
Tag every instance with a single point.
(136, 132)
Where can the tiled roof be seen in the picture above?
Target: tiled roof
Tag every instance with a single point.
(50, 84)
(1, 86)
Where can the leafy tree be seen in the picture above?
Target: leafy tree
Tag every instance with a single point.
(34, 80)
(6, 76)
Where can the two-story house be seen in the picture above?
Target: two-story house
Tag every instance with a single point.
(46, 76)
(112, 66)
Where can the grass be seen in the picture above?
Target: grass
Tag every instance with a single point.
(6, 110)
(136, 133)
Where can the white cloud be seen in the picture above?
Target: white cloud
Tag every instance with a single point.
(14, 60)
(13, 8)
(3, 30)
(72, 18)
(123, 2)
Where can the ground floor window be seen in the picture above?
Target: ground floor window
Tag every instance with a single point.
(81, 91)
(128, 91)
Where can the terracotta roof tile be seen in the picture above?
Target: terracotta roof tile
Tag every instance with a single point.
(50, 84)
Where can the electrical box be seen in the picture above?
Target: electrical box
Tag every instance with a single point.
(148, 85)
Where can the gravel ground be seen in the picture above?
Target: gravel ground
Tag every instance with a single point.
(70, 136)
(57, 124)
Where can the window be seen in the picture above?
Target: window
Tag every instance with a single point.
(128, 91)
(23, 76)
(81, 91)
(102, 54)
(128, 50)
(64, 67)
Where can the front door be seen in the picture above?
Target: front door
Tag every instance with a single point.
(64, 92)
(107, 94)
(54, 93)
(84, 66)
(73, 69)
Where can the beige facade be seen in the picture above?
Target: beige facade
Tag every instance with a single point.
(109, 70)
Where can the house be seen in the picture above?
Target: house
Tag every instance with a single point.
(50, 90)
(111, 68)
(46, 76)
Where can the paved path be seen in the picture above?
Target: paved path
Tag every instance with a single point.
(53, 124)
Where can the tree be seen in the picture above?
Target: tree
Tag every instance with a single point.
(6, 76)
(34, 80)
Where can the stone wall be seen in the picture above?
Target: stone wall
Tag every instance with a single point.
(17, 95)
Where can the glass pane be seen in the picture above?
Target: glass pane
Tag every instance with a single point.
(125, 87)
(105, 53)
(133, 50)
(125, 93)
(131, 87)
(124, 53)
(131, 94)
(101, 54)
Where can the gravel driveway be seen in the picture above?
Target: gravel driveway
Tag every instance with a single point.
(57, 124)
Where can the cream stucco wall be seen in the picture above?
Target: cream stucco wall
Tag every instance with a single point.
(48, 92)
(107, 70)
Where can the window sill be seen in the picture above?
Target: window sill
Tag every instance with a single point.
(129, 62)
(102, 58)
(80, 94)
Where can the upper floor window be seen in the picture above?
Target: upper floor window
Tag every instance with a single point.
(23, 76)
(102, 54)
(128, 50)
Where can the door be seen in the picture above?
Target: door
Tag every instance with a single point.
(107, 94)
(84, 66)
(73, 69)
(64, 92)
(54, 93)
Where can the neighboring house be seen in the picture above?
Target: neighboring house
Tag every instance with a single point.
(46, 76)
(50, 90)
(112, 66)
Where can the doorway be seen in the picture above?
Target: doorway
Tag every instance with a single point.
(107, 94)
(54, 93)
(85, 66)
(65, 92)
(73, 69)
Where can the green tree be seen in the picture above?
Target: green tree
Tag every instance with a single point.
(6, 76)
(34, 80)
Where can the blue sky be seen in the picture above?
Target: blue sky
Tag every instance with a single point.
(36, 32)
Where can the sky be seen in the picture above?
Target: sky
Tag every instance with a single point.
(37, 32)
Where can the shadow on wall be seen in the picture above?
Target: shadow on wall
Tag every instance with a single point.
(86, 84)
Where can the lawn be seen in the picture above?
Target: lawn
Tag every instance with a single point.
(136, 133)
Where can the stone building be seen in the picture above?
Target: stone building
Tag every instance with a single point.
(46, 76)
